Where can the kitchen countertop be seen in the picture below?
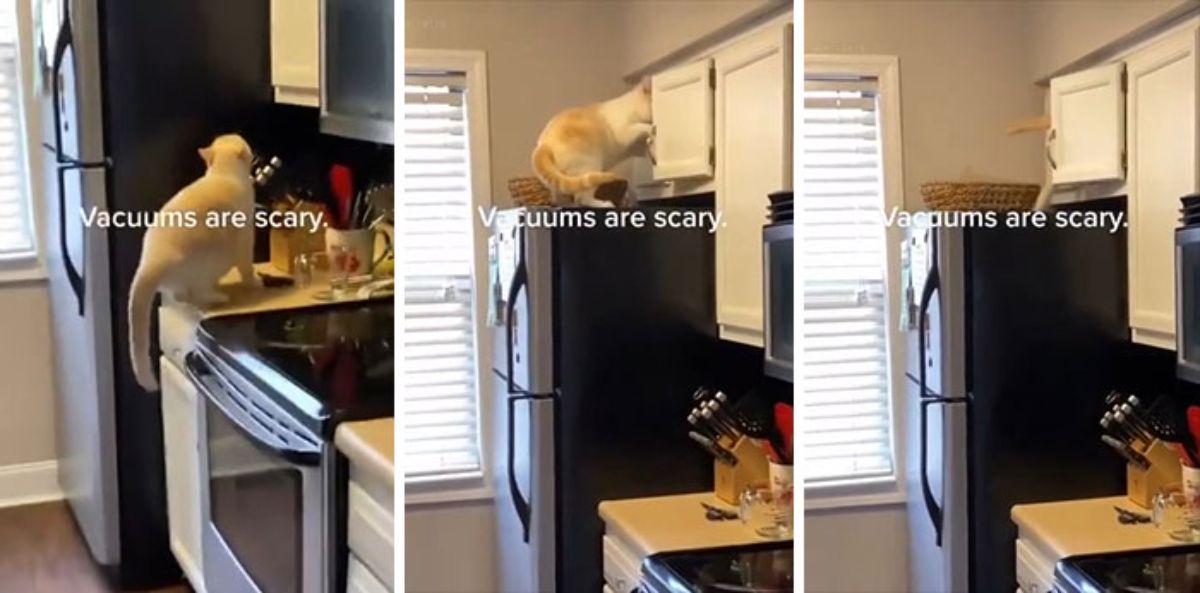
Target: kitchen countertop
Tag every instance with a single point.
(370, 446)
(1086, 526)
(670, 523)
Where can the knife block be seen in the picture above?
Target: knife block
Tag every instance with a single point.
(1142, 484)
(751, 469)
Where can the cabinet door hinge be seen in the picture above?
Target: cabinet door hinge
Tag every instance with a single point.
(1124, 160)
(712, 77)
(712, 156)
(1124, 81)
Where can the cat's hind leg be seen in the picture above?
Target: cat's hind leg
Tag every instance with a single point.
(588, 198)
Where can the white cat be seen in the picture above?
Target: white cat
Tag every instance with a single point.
(579, 145)
(185, 262)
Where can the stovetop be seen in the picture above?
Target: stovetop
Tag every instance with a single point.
(326, 364)
(1165, 570)
(765, 568)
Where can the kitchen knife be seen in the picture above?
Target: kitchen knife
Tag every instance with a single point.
(707, 415)
(1136, 417)
(1110, 426)
(724, 416)
(694, 420)
(1121, 420)
(720, 453)
(1126, 452)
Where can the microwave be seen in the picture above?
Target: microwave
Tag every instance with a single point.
(1187, 304)
(777, 299)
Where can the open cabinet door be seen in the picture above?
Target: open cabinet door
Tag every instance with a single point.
(682, 108)
(1087, 138)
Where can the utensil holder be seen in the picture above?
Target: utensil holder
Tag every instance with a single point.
(1142, 484)
(287, 243)
(751, 469)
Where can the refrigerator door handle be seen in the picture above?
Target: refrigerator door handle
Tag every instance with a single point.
(520, 280)
(936, 512)
(520, 503)
(932, 285)
(74, 274)
(63, 40)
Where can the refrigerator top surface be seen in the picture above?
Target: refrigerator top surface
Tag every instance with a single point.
(331, 363)
(760, 568)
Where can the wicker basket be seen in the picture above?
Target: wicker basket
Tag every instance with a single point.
(529, 191)
(954, 195)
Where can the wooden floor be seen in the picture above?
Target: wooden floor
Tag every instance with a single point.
(42, 552)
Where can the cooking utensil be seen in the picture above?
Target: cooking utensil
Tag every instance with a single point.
(1193, 424)
(720, 453)
(1127, 517)
(1124, 422)
(1126, 452)
(783, 422)
(722, 415)
(713, 513)
(694, 419)
(707, 415)
(341, 182)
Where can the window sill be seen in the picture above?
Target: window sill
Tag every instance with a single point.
(20, 271)
(447, 490)
(874, 493)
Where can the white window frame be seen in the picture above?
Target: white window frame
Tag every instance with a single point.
(474, 65)
(888, 490)
(31, 267)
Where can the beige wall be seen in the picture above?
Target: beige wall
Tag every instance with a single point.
(449, 548)
(963, 77)
(1061, 31)
(541, 58)
(26, 375)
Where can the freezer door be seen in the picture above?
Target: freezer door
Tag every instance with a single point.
(77, 262)
(521, 286)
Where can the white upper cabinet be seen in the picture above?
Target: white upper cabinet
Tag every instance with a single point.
(682, 106)
(1162, 167)
(754, 156)
(1086, 141)
(296, 51)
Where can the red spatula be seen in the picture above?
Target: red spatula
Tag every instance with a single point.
(341, 182)
(783, 422)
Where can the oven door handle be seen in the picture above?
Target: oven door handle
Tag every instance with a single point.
(197, 370)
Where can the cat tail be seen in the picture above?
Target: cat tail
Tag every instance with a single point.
(141, 300)
(547, 170)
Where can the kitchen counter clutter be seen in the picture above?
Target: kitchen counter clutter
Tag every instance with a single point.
(1050, 531)
(639, 527)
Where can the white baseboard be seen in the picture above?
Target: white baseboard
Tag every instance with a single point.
(29, 483)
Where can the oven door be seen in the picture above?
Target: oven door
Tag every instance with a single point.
(266, 497)
(777, 300)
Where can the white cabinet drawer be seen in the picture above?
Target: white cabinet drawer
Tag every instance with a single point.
(360, 579)
(369, 533)
(1035, 572)
(622, 568)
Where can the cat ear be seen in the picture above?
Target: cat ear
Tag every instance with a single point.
(207, 154)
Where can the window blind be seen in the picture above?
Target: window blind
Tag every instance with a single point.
(438, 384)
(846, 397)
(16, 224)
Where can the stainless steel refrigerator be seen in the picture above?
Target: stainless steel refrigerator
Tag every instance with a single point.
(1014, 338)
(601, 336)
(132, 89)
